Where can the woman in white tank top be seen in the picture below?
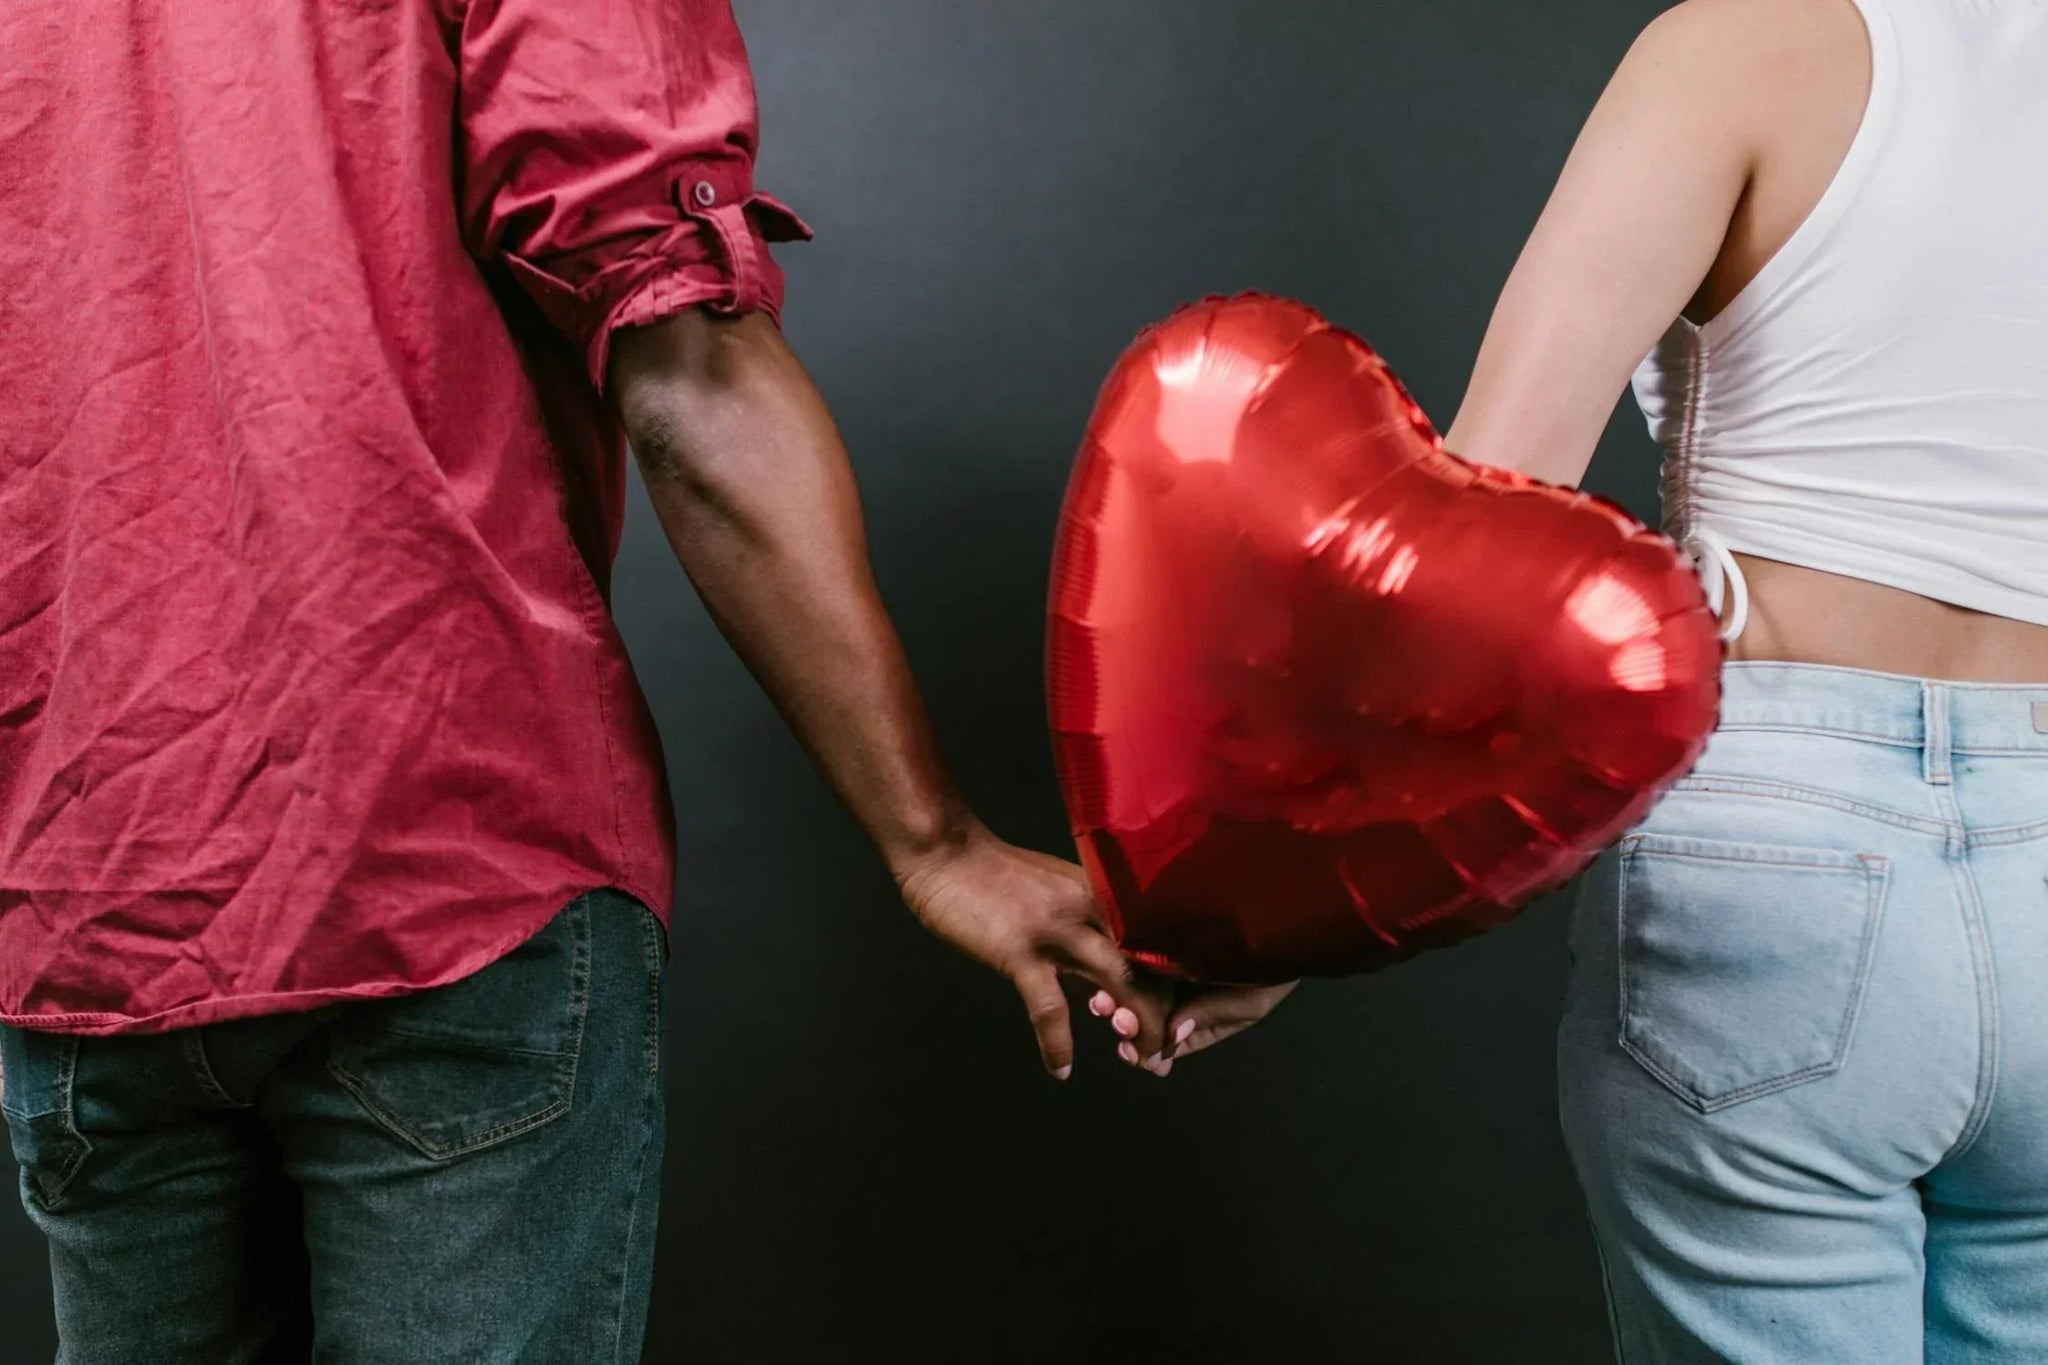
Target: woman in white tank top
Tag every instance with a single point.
(1804, 1062)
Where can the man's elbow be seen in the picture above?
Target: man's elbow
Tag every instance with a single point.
(682, 386)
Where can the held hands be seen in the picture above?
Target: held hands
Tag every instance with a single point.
(1203, 1016)
(1031, 917)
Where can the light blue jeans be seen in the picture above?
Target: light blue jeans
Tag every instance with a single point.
(1804, 1060)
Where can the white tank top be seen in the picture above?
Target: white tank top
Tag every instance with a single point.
(1875, 402)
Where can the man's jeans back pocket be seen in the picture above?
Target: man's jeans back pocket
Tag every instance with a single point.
(464, 1066)
(36, 1099)
(1743, 966)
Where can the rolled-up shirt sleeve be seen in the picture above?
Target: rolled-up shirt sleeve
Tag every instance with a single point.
(607, 161)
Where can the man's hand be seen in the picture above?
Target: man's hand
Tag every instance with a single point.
(1031, 917)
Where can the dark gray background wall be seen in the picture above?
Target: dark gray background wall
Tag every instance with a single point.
(865, 1163)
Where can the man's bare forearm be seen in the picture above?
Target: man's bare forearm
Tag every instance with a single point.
(751, 482)
(752, 485)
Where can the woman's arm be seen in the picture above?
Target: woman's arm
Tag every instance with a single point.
(1632, 230)
(1653, 213)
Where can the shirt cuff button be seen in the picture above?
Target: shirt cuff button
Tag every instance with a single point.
(704, 194)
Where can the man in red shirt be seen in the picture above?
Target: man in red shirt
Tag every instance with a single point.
(334, 837)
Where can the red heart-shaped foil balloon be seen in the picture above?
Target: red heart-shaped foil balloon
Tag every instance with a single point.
(1323, 694)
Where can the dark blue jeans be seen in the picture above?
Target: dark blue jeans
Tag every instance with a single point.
(466, 1174)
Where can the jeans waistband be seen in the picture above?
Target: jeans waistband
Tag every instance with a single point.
(1940, 718)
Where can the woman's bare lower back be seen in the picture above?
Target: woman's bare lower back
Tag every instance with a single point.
(1800, 615)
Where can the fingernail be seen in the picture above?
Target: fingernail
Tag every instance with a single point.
(1125, 1023)
(1101, 1004)
(1127, 1052)
(1180, 1035)
(1161, 1065)
(1063, 1073)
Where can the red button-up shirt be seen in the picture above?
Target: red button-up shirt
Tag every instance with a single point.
(308, 685)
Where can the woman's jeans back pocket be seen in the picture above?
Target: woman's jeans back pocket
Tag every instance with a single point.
(1742, 965)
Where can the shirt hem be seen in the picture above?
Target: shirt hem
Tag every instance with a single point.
(220, 1009)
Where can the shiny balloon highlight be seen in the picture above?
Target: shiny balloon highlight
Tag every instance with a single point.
(1324, 695)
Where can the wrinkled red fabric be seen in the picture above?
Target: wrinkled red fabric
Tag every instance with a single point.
(1324, 695)
(308, 499)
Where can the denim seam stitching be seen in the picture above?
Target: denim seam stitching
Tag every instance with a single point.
(192, 1044)
(625, 1273)
(579, 996)
(1895, 741)
(651, 935)
(1809, 796)
(1876, 872)
(358, 1088)
(1891, 741)
(477, 1049)
(1607, 1294)
(1818, 860)
(2004, 835)
(633, 1209)
(1989, 1044)
(67, 1115)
